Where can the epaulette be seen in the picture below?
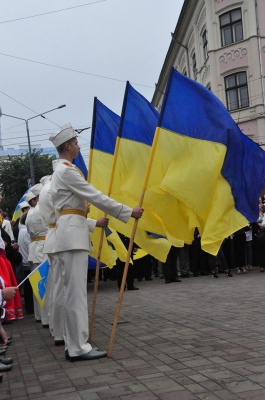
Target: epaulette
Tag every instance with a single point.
(67, 164)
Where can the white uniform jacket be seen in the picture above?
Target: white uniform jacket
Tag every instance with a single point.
(69, 190)
(48, 217)
(35, 229)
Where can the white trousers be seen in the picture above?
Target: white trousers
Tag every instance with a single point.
(57, 311)
(74, 273)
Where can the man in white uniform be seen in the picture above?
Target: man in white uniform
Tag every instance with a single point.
(37, 232)
(47, 212)
(70, 191)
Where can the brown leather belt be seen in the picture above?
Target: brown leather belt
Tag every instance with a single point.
(72, 211)
(38, 238)
(52, 226)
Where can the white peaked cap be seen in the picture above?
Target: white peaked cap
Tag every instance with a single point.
(23, 204)
(66, 133)
(29, 196)
(36, 189)
(45, 179)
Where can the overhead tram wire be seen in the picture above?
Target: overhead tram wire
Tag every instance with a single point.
(95, 75)
(75, 70)
(23, 105)
(51, 12)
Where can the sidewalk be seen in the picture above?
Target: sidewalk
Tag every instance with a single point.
(202, 338)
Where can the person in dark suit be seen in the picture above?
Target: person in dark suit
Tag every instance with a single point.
(120, 267)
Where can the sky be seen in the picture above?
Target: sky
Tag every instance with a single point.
(56, 52)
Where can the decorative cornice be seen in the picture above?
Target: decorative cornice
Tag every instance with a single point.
(233, 54)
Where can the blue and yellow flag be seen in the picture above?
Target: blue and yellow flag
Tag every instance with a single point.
(103, 138)
(136, 132)
(17, 212)
(80, 164)
(203, 171)
(38, 279)
(108, 255)
(104, 133)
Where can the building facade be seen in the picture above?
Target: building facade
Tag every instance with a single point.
(221, 44)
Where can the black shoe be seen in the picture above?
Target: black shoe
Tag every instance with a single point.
(5, 368)
(133, 288)
(67, 357)
(45, 326)
(185, 275)
(6, 361)
(59, 342)
(175, 280)
(215, 276)
(6, 322)
(149, 278)
(167, 281)
(139, 279)
(37, 320)
(229, 274)
(195, 274)
(91, 355)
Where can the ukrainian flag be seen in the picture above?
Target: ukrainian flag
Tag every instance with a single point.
(108, 172)
(108, 255)
(38, 280)
(80, 164)
(204, 172)
(103, 138)
(17, 212)
(136, 132)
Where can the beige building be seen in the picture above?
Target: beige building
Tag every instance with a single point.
(221, 44)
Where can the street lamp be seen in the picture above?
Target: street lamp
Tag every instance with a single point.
(31, 166)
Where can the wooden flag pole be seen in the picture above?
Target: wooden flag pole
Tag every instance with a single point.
(124, 277)
(94, 302)
(93, 311)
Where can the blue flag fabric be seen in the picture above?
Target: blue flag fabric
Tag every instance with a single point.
(80, 164)
(38, 281)
(205, 172)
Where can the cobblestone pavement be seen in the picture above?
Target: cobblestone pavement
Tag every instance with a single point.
(202, 338)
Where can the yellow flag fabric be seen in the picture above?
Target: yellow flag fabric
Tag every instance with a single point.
(104, 177)
(38, 280)
(202, 171)
(108, 254)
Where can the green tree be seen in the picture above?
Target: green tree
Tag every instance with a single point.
(15, 174)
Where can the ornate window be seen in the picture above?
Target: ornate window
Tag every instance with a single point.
(236, 91)
(231, 27)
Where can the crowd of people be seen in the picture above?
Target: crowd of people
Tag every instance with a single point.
(54, 225)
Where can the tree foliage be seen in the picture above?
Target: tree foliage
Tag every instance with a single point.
(15, 175)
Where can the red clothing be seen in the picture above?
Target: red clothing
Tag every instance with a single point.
(13, 307)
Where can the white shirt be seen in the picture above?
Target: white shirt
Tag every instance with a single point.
(6, 225)
(23, 242)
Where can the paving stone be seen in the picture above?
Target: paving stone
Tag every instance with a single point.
(161, 351)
